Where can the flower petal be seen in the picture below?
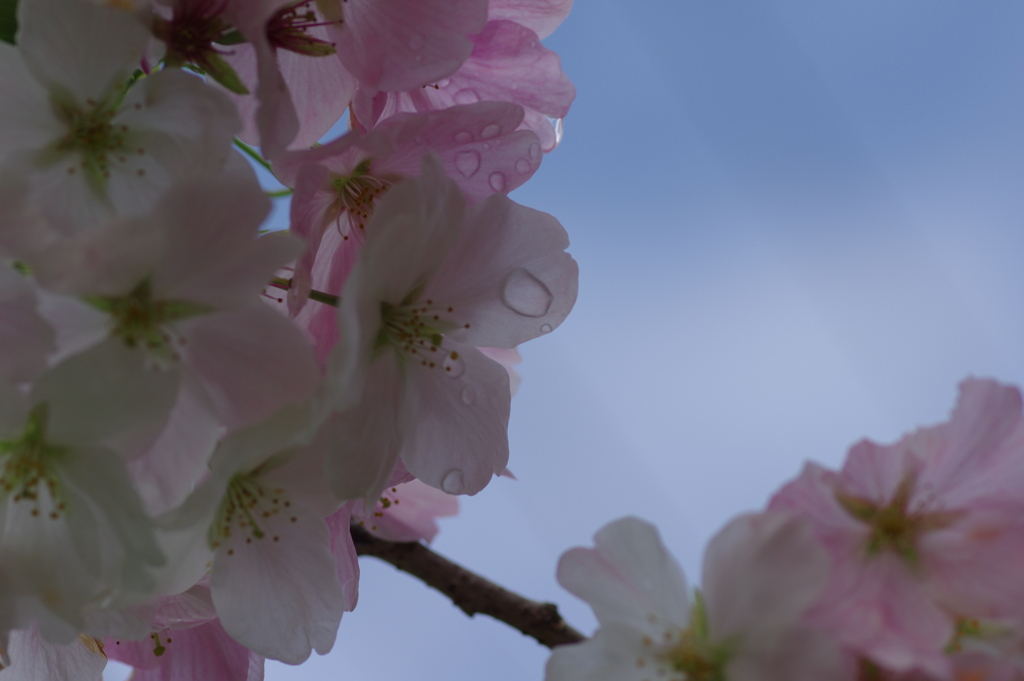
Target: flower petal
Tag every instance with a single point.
(279, 595)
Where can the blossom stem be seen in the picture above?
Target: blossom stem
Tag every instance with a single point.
(280, 193)
(470, 592)
(253, 154)
(318, 296)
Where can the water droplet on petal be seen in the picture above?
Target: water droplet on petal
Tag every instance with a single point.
(467, 96)
(526, 295)
(444, 82)
(559, 130)
(535, 152)
(463, 137)
(467, 162)
(416, 41)
(545, 328)
(523, 166)
(454, 366)
(497, 181)
(453, 482)
(468, 396)
(490, 131)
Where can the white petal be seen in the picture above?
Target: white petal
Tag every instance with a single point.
(279, 595)
(508, 277)
(83, 48)
(456, 427)
(629, 578)
(101, 479)
(616, 653)
(103, 391)
(251, 362)
(169, 469)
(34, 659)
(26, 119)
(366, 439)
(760, 573)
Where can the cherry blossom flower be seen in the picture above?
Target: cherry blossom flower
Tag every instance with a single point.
(432, 281)
(921, 531)
(180, 286)
(74, 535)
(91, 149)
(259, 519)
(761, 572)
(338, 185)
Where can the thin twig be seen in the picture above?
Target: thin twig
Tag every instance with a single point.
(470, 592)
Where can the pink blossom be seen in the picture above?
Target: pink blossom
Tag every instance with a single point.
(921, 530)
(433, 281)
(385, 44)
(508, 64)
(339, 184)
(407, 511)
(188, 643)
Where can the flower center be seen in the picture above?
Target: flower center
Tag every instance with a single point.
(191, 31)
(355, 195)
(246, 505)
(417, 332)
(28, 466)
(92, 136)
(289, 30)
(139, 320)
(192, 36)
(895, 526)
(693, 654)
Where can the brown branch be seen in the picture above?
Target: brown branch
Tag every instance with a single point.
(470, 592)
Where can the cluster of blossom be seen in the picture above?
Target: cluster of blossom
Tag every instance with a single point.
(192, 411)
(906, 565)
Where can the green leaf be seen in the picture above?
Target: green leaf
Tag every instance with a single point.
(8, 20)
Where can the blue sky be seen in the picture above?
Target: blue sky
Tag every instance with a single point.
(798, 224)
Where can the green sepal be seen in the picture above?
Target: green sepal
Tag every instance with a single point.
(217, 68)
(8, 20)
(231, 38)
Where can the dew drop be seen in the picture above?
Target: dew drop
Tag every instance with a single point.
(497, 181)
(526, 295)
(453, 482)
(468, 396)
(545, 328)
(535, 152)
(522, 166)
(467, 96)
(463, 137)
(559, 130)
(454, 366)
(490, 131)
(467, 162)
(444, 82)
(416, 41)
